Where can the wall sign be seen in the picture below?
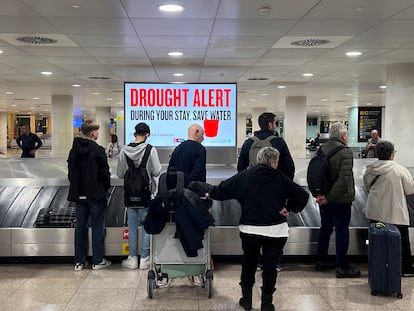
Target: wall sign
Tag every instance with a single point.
(369, 118)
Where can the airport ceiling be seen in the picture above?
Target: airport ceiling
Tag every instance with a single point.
(99, 44)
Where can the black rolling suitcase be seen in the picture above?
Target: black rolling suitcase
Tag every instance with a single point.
(384, 260)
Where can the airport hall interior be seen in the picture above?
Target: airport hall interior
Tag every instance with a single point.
(318, 68)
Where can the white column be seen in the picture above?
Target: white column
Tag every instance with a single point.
(399, 111)
(256, 112)
(241, 129)
(353, 130)
(120, 127)
(62, 125)
(295, 125)
(3, 132)
(102, 116)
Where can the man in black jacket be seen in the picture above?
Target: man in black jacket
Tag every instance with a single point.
(266, 196)
(267, 123)
(29, 142)
(190, 156)
(89, 178)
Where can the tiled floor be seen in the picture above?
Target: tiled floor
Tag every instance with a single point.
(50, 287)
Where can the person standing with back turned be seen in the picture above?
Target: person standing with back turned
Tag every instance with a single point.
(89, 177)
(190, 156)
(335, 207)
(266, 197)
(267, 123)
(136, 214)
(388, 183)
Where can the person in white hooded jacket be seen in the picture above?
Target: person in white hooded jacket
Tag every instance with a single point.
(388, 183)
(136, 214)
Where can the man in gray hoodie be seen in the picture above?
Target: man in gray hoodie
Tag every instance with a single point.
(136, 214)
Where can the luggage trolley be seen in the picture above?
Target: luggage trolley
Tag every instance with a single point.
(168, 261)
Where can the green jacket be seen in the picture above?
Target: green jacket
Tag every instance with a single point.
(340, 164)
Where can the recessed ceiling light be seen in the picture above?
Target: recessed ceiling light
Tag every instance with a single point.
(178, 74)
(75, 6)
(348, 94)
(46, 73)
(76, 85)
(171, 8)
(308, 74)
(96, 93)
(368, 104)
(1, 51)
(109, 98)
(119, 103)
(36, 98)
(175, 53)
(9, 93)
(281, 87)
(13, 105)
(360, 9)
(353, 54)
(324, 99)
(264, 94)
(383, 87)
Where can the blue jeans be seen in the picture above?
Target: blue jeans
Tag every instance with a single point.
(96, 210)
(338, 216)
(272, 248)
(135, 218)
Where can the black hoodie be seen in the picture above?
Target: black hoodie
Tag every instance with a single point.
(88, 171)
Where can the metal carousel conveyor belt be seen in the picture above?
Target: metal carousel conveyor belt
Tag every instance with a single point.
(26, 186)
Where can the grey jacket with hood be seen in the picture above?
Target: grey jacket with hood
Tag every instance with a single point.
(135, 151)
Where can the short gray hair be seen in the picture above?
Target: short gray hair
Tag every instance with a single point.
(267, 154)
(337, 130)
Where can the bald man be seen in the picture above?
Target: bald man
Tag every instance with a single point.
(372, 142)
(190, 156)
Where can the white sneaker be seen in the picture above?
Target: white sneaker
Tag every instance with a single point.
(102, 265)
(79, 266)
(144, 263)
(131, 262)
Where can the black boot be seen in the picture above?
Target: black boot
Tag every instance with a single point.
(246, 300)
(267, 302)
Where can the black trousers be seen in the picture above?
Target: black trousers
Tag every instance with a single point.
(271, 249)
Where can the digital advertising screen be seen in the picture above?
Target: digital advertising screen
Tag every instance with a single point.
(169, 109)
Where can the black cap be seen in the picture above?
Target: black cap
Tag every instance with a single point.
(142, 129)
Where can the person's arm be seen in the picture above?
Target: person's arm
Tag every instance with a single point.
(345, 175)
(199, 169)
(243, 161)
(18, 141)
(298, 197)
(38, 141)
(121, 166)
(231, 188)
(104, 174)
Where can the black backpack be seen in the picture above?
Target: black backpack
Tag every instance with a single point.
(318, 175)
(137, 182)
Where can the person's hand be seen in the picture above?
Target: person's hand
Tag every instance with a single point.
(284, 212)
(32, 151)
(321, 199)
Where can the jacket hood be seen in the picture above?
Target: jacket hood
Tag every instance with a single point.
(381, 167)
(82, 145)
(265, 173)
(135, 151)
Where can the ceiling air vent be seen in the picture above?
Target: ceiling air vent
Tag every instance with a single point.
(99, 78)
(36, 40)
(310, 42)
(257, 79)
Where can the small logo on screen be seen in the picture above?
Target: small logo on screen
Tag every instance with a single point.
(178, 140)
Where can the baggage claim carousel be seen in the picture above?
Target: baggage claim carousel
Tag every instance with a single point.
(27, 185)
